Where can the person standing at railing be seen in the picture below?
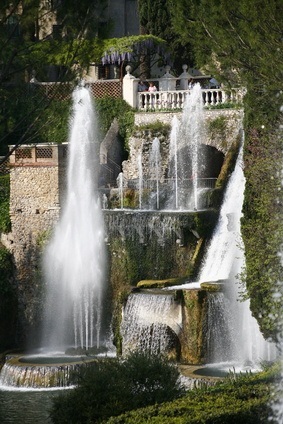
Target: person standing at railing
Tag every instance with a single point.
(152, 89)
(142, 87)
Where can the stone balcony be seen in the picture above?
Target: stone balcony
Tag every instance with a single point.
(172, 92)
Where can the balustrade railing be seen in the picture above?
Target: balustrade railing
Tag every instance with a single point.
(164, 100)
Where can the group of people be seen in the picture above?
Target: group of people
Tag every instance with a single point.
(142, 86)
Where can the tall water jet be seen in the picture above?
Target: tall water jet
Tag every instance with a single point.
(173, 159)
(185, 140)
(225, 261)
(192, 129)
(120, 182)
(154, 167)
(74, 260)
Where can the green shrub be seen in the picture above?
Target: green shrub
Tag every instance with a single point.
(5, 223)
(6, 270)
(111, 387)
(242, 399)
(108, 109)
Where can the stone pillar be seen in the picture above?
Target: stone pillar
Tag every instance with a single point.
(130, 88)
(184, 78)
(168, 81)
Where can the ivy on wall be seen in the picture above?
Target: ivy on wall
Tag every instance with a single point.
(262, 212)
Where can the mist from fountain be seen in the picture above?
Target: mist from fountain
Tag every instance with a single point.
(74, 260)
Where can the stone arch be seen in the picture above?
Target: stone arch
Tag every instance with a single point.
(210, 161)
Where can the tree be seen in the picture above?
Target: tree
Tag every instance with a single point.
(241, 44)
(34, 36)
(110, 387)
(156, 19)
(138, 50)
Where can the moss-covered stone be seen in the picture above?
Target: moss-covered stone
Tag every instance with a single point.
(161, 283)
(192, 335)
(212, 287)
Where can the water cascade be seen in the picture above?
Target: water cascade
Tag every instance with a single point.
(225, 261)
(151, 322)
(154, 167)
(74, 260)
(30, 371)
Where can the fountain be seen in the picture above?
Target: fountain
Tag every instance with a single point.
(185, 140)
(173, 160)
(74, 260)
(193, 130)
(232, 335)
(73, 265)
(154, 167)
(225, 261)
(120, 182)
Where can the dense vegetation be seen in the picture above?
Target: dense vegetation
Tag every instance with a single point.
(241, 44)
(238, 399)
(110, 387)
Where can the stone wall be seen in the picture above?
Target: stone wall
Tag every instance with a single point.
(221, 136)
(35, 197)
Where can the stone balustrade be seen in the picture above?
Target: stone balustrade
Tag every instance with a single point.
(173, 91)
(164, 100)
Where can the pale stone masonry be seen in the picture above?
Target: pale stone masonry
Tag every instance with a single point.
(142, 140)
(36, 187)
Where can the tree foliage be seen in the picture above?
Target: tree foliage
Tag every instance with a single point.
(241, 43)
(156, 19)
(111, 387)
(30, 40)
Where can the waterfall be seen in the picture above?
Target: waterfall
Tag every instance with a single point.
(220, 340)
(37, 376)
(74, 260)
(151, 322)
(225, 261)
